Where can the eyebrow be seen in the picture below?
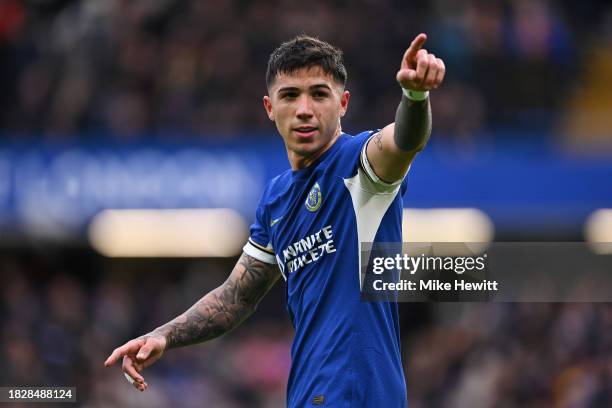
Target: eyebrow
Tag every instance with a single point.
(312, 87)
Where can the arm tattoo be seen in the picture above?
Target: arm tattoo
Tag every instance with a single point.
(225, 307)
(378, 140)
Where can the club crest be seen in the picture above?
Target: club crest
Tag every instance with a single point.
(314, 199)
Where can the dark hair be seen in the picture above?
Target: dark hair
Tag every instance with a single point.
(305, 52)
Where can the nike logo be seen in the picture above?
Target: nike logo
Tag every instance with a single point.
(274, 222)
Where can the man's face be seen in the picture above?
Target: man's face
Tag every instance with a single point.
(306, 106)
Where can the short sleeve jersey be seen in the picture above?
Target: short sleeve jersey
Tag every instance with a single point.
(346, 352)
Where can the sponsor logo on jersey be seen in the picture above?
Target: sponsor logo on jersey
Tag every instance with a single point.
(314, 199)
(307, 250)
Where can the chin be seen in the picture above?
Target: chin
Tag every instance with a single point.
(304, 152)
(307, 149)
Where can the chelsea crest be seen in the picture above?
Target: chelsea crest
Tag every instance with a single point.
(314, 199)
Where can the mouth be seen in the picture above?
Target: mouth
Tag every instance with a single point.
(305, 131)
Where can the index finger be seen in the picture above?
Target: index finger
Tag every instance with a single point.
(131, 347)
(415, 46)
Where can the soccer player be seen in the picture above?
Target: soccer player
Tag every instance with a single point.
(341, 190)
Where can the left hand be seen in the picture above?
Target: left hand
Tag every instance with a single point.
(420, 70)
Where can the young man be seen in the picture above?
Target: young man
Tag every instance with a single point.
(341, 190)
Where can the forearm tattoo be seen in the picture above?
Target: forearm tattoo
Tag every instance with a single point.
(225, 307)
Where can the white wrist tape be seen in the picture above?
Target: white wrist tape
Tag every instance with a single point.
(415, 95)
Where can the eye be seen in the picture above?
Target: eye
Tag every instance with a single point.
(289, 95)
(320, 94)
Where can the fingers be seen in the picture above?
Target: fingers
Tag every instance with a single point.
(145, 351)
(429, 73)
(135, 354)
(420, 70)
(441, 72)
(422, 67)
(138, 386)
(420, 75)
(132, 369)
(435, 72)
(148, 354)
(131, 347)
(414, 48)
(432, 72)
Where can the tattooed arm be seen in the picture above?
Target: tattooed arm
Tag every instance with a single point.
(223, 308)
(218, 312)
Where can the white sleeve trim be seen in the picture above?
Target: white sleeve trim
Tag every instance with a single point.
(259, 254)
(365, 164)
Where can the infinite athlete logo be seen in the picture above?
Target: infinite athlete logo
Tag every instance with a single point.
(314, 199)
(307, 250)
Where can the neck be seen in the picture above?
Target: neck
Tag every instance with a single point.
(300, 161)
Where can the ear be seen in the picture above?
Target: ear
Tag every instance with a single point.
(268, 107)
(344, 100)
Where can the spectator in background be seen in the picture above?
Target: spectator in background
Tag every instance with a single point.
(143, 69)
(56, 326)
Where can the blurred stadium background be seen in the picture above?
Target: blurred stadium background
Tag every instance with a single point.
(155, 107)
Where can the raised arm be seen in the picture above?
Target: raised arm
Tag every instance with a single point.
(391, 150)
(218, 312)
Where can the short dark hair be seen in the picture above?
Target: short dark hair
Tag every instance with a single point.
(304, 52)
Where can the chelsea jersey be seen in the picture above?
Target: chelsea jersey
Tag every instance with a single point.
(346, 352)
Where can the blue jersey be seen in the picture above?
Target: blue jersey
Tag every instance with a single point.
(346, 352)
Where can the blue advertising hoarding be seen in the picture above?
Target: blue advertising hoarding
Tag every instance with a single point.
(57, 188)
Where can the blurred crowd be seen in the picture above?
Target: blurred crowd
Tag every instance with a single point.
(165, 67)
(61, 319)
(512, 355)
(63, 313)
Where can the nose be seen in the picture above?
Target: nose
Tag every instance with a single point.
(304, 108)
